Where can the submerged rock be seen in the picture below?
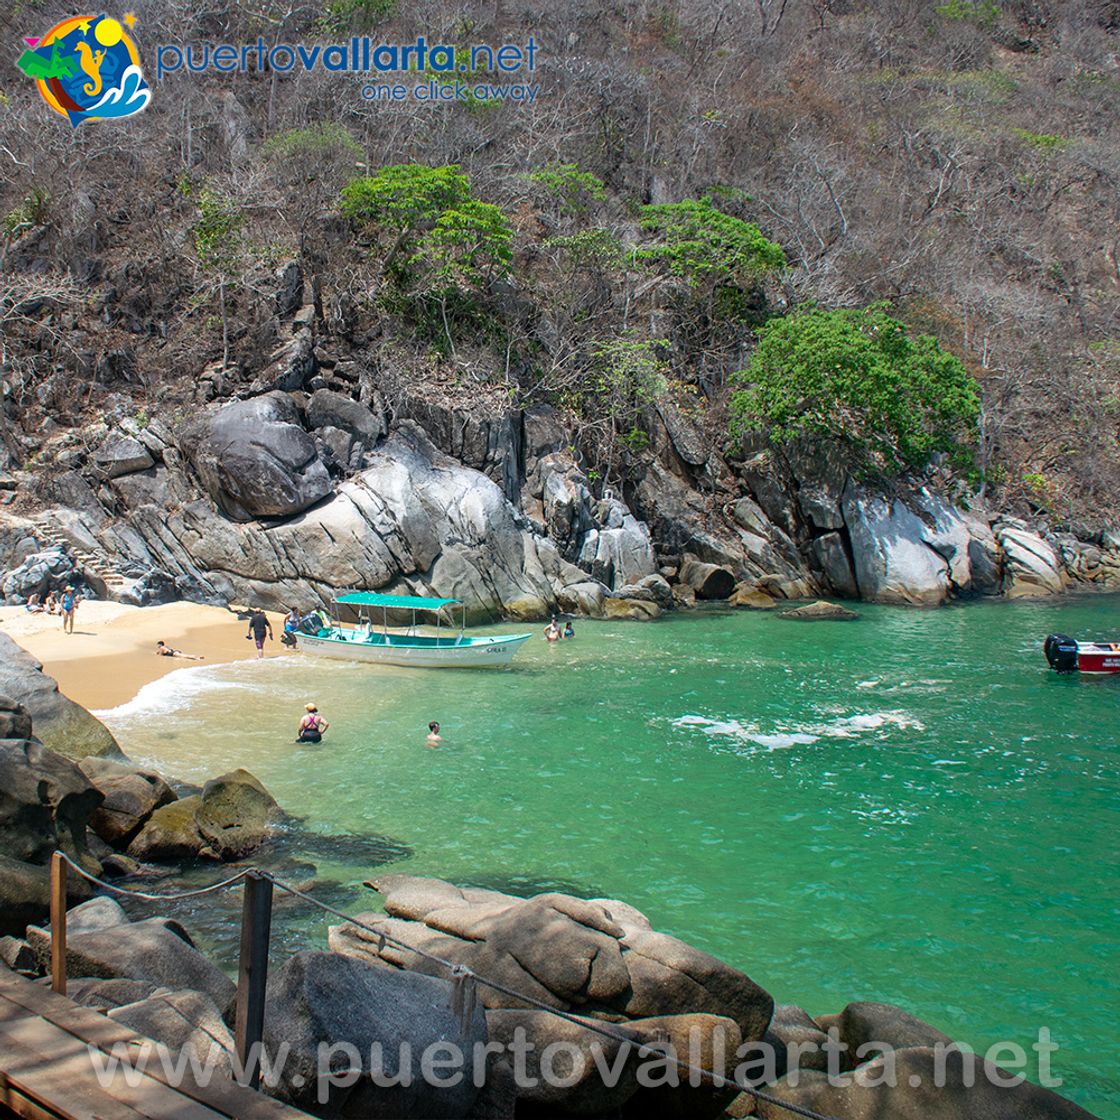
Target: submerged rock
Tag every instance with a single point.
(820, 611)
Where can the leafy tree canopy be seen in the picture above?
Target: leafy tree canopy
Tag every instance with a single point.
(858, 376)
(705, 245)
(405, 196)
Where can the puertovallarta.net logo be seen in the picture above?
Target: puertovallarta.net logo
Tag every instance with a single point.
(87, 68)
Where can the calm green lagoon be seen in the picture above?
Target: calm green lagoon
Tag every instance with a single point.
(910, 807)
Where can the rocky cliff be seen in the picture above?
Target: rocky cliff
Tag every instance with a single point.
(310, 479)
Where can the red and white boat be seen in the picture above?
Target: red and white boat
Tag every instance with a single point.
(1067, 655)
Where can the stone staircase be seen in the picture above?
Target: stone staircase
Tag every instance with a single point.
(97, 568)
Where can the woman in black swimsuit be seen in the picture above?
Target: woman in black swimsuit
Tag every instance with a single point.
(312, 726)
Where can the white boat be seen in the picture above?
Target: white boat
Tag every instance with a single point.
(450, 650)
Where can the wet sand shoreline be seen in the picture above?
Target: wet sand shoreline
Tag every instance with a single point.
(111, 654)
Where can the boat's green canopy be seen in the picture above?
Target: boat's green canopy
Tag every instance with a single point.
(405, 602)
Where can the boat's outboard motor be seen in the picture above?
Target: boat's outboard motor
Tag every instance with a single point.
(1061, 652)
(311, 623)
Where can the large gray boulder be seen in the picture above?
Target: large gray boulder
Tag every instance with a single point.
(25, 893)
(864, 1023)
(58, 722)
(120, 455)
(564, 951)
(154, 950)
(326, 1000)
(566, 1063)
(235, 814)
(893, 561)
(50, 569)
(45, 802)
(183, 1021)
(328, 409)
(131, 796)
(921, 1084)
(232, 817)
(255, 460)
(1032, 569)
(170, 834)
(919, 551)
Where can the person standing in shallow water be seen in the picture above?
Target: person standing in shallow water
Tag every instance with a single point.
(258, 627)
(312, 726)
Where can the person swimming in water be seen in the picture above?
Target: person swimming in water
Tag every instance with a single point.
(552, 632)
(434, 737)
(312, 726)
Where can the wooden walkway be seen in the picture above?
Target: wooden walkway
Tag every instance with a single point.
(46, 1069)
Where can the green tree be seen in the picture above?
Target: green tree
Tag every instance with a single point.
(468, 246)
(567, 188)
(437, 243)
(707, 247)
(860, 377)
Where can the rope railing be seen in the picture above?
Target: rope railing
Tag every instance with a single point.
(252, 973)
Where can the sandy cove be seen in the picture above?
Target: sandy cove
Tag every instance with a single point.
(111, 654)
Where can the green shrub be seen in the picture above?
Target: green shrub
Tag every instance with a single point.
(859, 377)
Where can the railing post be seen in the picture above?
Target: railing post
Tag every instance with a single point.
(58, 923)
(252, 974)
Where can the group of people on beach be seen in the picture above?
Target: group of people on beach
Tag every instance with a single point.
(65, 605)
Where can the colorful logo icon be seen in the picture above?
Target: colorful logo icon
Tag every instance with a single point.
(87, 68)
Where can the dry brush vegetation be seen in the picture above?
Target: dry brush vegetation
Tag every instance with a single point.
(959, 160)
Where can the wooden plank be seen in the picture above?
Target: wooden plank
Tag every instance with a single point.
(58, 923)
(66, 1062)
(223, 1097)
(58, 1090)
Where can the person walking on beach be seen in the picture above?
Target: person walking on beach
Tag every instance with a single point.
(258, 627)
(312, 726)
(166, 651)
(69, 606)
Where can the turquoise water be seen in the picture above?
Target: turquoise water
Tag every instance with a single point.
(910, 807)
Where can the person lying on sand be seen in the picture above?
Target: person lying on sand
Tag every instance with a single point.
(166, 651)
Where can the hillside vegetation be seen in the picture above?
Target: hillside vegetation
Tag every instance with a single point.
(688, 174)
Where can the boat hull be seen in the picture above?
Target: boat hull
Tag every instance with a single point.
(468, 653)
(1067, 655)
(1098, 657)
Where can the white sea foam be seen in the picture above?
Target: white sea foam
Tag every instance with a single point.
(177, 690)
(803, 734)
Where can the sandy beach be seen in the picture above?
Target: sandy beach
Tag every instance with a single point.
(111, 654)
